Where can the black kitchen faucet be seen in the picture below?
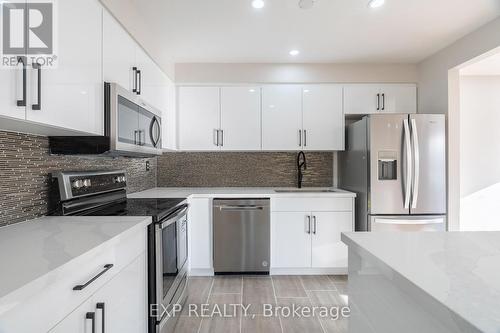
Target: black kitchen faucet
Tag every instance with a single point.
(301, 162)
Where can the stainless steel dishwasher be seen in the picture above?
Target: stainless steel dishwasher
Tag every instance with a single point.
(241, 236)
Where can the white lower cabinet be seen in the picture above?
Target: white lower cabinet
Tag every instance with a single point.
(200, 236)
(327, 250)
(305, 234)
(119, 306)
(291, 242)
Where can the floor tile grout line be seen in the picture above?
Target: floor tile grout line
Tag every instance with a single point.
(310, 303)
(276, 303)
(208, 297)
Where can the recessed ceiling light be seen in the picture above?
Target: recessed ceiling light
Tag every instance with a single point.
(306, 4)
(376, 3)
(258, 4)
(294, 52)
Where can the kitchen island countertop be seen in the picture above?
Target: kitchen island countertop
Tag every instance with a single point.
(460, 271)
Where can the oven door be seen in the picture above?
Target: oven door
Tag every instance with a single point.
(171, 255)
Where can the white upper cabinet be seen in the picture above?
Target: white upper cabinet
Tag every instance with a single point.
(323, 117)
(12, 99)
(126, 63)
(70, 95)
(240, 118)
(399, 98)
(282, 117)
(199, 123)
(380, 98)
(152, 85)
(118, 54)
(361, 98)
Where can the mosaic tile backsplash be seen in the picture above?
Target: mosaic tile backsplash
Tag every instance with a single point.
(227, 169)
(25, 167)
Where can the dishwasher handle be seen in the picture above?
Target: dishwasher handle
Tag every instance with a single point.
(240, 207)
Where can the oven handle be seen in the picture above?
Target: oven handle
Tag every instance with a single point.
(176, 215)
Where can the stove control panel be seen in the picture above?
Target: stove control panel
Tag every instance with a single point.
(77, 184)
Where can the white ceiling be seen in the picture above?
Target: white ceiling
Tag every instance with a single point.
(487, 66)
(332, 31)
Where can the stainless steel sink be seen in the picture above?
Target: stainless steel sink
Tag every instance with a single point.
(305, 190)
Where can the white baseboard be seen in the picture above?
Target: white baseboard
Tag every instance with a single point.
(201, 272)
(280, 271)
(309, 271)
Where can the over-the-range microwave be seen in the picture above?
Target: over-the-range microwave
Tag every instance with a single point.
(131, 128)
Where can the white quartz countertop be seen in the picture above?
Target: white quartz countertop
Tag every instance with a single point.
(459, 269)
(234, 192)
(32, 249)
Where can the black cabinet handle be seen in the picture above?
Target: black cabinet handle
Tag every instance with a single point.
(383, 101)
(91, 316)
(22, 102)
(154, 122)
(100, 306)
(107, 267)
(38, 105)
(378, 102)
(134, 88)
(139, 87)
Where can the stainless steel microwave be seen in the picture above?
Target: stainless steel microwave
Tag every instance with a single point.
(131, 128)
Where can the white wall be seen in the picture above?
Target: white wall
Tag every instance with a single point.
(293, 73)
(439, 92)
(479, 133)
(433, 71)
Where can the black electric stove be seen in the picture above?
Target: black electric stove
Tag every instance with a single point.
(158, 209)
(103, 193)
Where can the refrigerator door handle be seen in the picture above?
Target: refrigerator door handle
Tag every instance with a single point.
(416, 153)
(409, 163)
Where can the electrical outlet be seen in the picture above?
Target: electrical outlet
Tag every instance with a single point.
(147, 166)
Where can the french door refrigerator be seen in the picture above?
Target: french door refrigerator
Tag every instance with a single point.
(396, 164)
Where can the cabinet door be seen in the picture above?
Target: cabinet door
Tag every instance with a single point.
(361, 98)
(200, 234)
(77, 321)
(151, 81)
(290, 240)
(198, 113)
(327, 248)
(118, 53)
(281, 117)
(323, 117)
(124, 299)
(240, 118)
(11, 82)
(399, 98)
(71, 93)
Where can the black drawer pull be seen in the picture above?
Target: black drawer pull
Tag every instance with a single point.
(91, 316)
(107, 267)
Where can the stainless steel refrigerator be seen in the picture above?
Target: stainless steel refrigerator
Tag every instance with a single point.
(397, 166)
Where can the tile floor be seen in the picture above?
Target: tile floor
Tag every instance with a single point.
(254, 291)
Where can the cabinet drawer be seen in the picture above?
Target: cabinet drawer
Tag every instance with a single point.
(53, 298)
(317, 204)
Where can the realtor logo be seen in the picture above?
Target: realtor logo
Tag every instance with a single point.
(27, 30)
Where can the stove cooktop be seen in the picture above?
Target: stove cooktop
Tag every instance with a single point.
(156, 208)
